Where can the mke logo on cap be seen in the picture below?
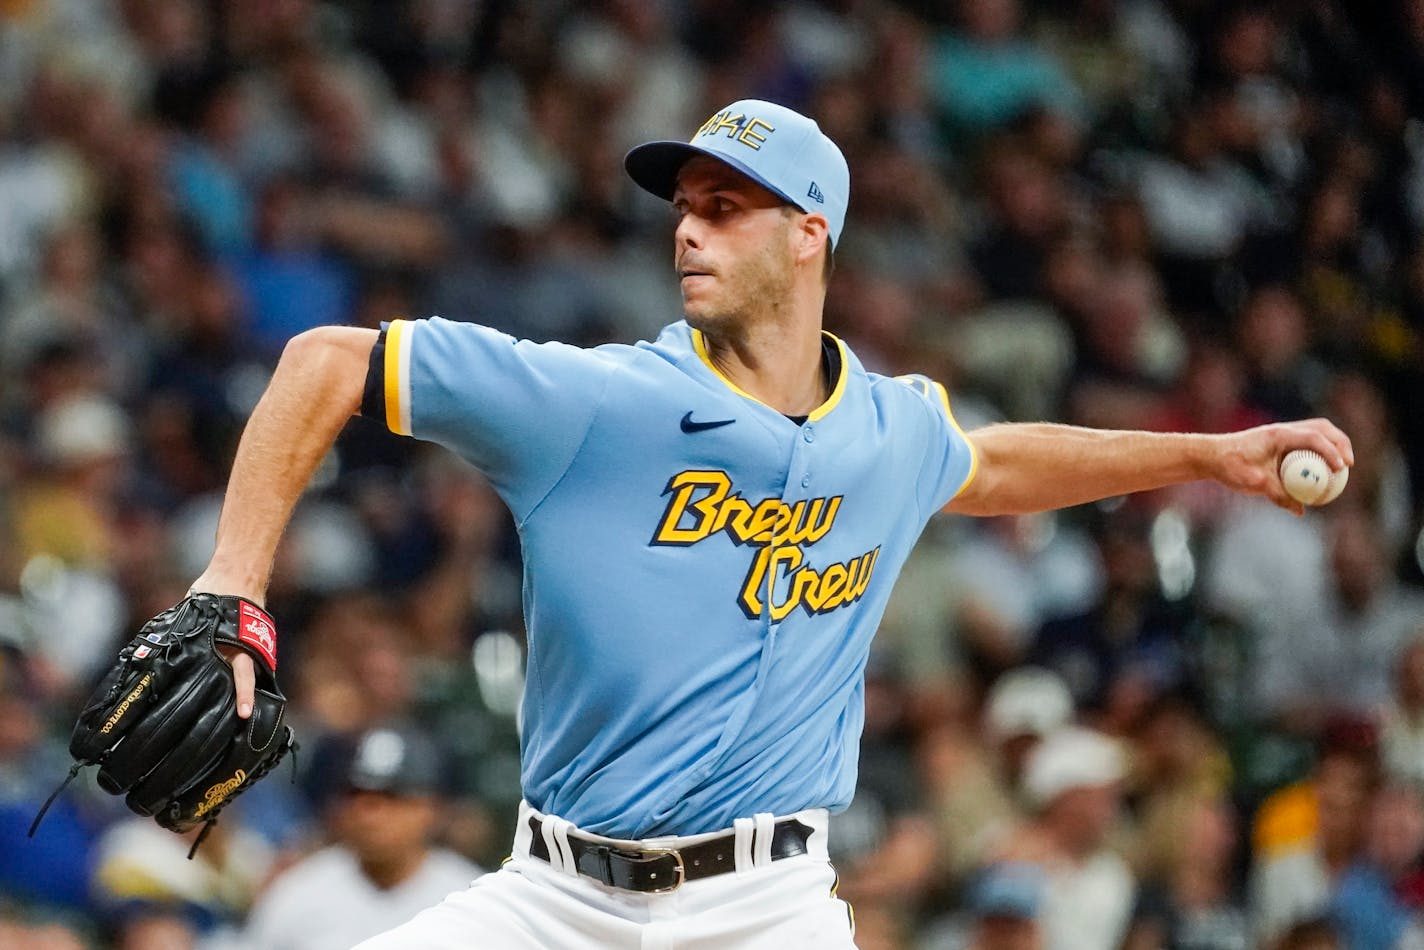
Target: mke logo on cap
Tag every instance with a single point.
(741, 127)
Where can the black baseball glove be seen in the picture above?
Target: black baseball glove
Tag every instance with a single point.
(162, 725)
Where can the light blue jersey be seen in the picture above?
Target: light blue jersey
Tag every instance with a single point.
(703, 575)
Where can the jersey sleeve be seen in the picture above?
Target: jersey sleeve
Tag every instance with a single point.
(950, 460)
(516, 410)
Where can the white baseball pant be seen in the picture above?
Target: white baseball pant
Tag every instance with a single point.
(531, 904)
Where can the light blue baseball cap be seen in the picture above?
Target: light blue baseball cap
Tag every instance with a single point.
(774, 146)
(1009, 889)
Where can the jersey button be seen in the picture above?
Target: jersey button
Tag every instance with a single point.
(805, 480)
(808, 434)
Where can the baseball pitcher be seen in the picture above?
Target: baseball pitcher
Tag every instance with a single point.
(712, 523)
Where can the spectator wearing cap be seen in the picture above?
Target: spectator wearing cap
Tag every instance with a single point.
(1005, 902)
(383, 867)
(142, 870)
(82, 444)
(973, 780)
(1186, 835)
(1025, 705)
(65, 526)
(1072, 784)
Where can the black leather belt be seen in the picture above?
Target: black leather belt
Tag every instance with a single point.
(653, 870)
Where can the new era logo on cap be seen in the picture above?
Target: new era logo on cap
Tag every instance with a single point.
(779, 148)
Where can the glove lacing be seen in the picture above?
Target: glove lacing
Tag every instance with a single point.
(34, 825)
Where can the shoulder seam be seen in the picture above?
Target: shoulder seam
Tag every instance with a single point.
(597, 408)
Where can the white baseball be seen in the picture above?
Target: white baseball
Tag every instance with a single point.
(1308, 479)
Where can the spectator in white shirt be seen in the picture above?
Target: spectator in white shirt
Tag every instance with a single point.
(1073, 782)
(383, 868)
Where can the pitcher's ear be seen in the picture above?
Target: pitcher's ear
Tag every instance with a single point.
(814, 232)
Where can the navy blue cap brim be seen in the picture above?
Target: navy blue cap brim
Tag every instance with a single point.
(399, 789)
(653, 166)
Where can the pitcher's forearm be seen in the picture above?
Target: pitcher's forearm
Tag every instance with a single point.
(1041, 466)
(316, 388)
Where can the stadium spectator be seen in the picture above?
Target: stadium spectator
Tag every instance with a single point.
(1209, 396)
(1072, 781)
(1370, 905)
(1307, 835)
(1384, 491)
(156, 928)
(974, 779)
(73, 303)
(887, 852)
(1283, 380)
(985, 74)
(1129, 644)
(1341, 659)
(1186, 844)
(55, 870)
(141, 869)
(1402, 720)
(1128, 352)
(384, 866)
(1199, 203)
(289, 282)
(1005, 902)
(1013, 575)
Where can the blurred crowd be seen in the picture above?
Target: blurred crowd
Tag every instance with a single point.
(1182, 720)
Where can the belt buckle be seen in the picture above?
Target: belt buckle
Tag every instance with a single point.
(679, 874)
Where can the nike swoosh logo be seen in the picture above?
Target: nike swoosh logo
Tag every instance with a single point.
(689, 426)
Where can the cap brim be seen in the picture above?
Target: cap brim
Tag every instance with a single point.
(653, 166)
(386, 786)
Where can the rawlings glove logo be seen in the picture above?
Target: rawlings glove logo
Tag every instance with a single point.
(214, 796)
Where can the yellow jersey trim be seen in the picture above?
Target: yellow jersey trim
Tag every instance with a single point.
(397, 378)
(699, 343)
(973, 452)
(838, 390)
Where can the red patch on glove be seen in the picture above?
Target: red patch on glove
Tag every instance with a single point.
(256, 629)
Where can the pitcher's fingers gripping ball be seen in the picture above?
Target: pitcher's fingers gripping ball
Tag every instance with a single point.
(162, 725)
(1308, 479)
